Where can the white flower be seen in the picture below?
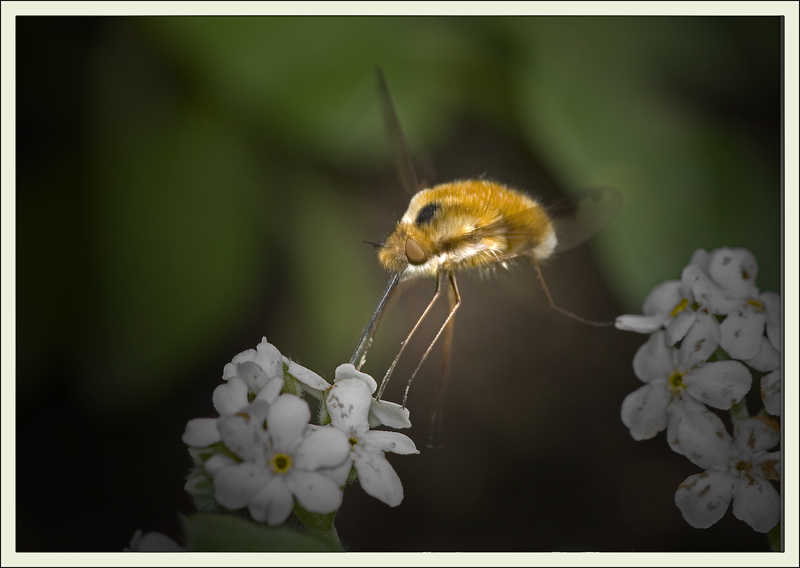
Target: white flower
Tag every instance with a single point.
(771, 392)
(380, 411)
(671, 305)
(731, 291)
(153, 542)
(229, 398)
(349, 402)
(680, 382)
(281, 456)
(767, 359)
(254, 374)
(246, 375)
(735, 470)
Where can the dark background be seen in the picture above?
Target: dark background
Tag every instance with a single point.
(186, 186)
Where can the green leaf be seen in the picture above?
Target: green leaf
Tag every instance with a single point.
(223, 533)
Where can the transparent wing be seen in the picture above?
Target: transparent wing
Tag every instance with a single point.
(403, 162)
(575, 219)
(584, 216)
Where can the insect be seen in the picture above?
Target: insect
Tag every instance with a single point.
(472, 223)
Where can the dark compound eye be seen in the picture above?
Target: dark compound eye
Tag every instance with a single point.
(426, 213)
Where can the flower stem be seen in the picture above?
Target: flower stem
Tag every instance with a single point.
(319, 525)
(774, 537)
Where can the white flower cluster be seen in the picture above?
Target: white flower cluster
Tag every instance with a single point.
(262, 453)
(711, 331)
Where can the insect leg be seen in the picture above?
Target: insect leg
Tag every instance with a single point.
(385, 380)
(562, 310)
(437, 419)
(451, 276)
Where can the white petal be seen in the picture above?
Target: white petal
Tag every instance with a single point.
(230, 369)
(316, 492)
(273, 503)
(756, 502)
(704, 440)
(741, 333)
(216, 463)
(767, 359)
(654, 360)
(772, 305)
(704, 497)
(271, 391)
(644, 411)
(244, 435)
(772, 311)
(734, 269)
(253, 374)
(701, 341)
(230, 397)
(680, 407)
(389, 414)
(663, 298)
(235, 485)
(756, 435)
(640, 324)
(308, 377)
(269, 358)
(388, 442)
(348, 371)
(339, 474)
(324, 447)
(680, 325)
(720, 384)
(771, 392)
(769, 465)
(378, 478)
(348, 405)
(700, 258)
(201, 432)
(287, 421)
(707, 293)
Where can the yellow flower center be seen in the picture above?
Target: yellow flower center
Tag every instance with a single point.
(759, 306)
(353, 441)
(281, 463)
(675, 382)
(679, 307)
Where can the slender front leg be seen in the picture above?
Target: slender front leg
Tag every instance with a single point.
(388, 374)
(451, 276)
(437, 418)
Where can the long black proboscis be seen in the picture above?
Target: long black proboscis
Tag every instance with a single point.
(366, 338)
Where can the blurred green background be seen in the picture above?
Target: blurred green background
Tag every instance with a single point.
(186, 186)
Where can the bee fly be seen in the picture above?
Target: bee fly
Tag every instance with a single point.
(465, 224)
